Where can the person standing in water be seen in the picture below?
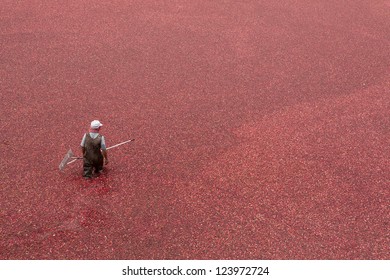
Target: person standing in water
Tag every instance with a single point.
(93, 147)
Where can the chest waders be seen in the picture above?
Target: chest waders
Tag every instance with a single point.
(93, 158)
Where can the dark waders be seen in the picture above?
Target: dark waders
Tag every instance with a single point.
(93, 158)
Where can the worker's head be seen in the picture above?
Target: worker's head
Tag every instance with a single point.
(96, 124)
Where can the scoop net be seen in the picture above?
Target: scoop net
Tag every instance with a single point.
(68, 158)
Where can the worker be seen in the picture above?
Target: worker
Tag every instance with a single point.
(93, 147)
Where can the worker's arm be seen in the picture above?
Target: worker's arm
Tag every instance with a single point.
(82, 145)
(104, 153)
(104, 150)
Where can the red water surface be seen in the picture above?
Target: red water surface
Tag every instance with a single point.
(262, 129)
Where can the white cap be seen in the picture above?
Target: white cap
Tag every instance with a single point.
(96, 124)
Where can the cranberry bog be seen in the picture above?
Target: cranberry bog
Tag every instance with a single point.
(262, 129)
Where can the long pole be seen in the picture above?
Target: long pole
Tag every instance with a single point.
(116, 145)
(120, 144)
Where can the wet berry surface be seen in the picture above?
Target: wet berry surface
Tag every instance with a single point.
(262, 129)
